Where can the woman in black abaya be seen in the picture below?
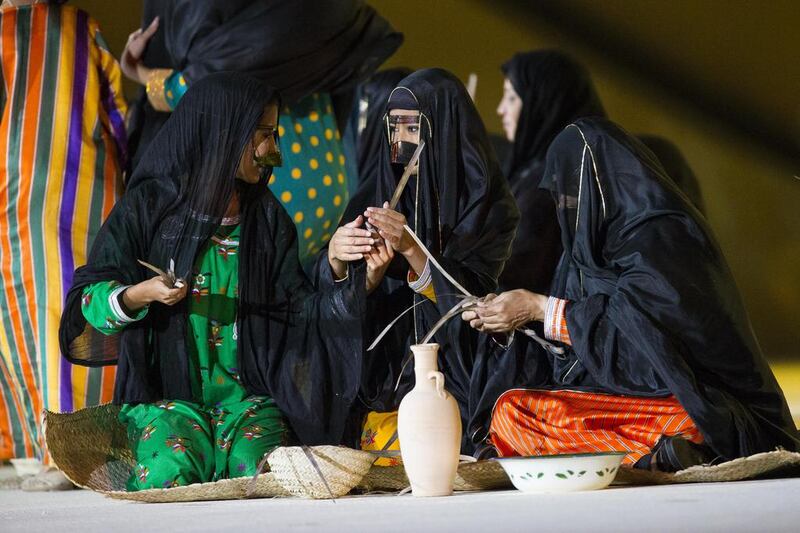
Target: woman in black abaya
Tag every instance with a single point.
(199, 200)
(459, 205)
(659, 357)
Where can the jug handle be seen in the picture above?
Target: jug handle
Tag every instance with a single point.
(439, 377)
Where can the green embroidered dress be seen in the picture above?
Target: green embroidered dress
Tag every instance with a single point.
(224, 432)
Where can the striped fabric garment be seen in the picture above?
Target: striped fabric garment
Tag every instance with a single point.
(538, 422)
(62, 144)
(555, 320)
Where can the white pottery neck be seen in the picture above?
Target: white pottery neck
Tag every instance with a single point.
(425, 360)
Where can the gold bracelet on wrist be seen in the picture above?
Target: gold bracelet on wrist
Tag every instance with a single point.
(155, 89)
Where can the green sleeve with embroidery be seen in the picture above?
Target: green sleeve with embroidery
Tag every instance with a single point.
(101, 309)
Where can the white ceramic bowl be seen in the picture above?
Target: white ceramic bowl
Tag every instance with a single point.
(562, 473)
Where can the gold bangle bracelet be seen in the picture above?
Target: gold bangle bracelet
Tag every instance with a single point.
(155, 89)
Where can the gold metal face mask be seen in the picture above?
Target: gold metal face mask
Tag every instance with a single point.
(403, 137)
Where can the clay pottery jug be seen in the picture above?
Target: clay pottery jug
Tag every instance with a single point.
(429, 428)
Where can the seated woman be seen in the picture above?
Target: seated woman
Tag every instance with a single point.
(220, 365)
(458, 203)
(659, 359)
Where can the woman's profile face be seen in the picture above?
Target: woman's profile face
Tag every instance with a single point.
(509, 109)
(262, 143)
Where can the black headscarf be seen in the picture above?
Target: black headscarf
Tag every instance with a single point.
(654, 309)
(555, 91)
(371, 140)
(299, 47)
(296, 345)
(466, 217)
(677, 168)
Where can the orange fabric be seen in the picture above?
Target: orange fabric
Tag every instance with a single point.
(556, 321)
(534, 422)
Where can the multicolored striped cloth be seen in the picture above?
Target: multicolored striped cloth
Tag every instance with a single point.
(62, 145)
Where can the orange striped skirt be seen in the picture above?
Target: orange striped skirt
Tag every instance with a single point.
(537, 422)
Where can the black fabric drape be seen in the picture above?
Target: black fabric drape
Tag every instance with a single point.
(297, 345)
(654, 309)
(299, 47)
(555, 91)
(461, 208)
(677, 168)
(371, 141)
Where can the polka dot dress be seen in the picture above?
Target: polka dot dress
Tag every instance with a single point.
(312, 183)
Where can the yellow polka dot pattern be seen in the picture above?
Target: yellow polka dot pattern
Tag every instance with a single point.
(312, 183)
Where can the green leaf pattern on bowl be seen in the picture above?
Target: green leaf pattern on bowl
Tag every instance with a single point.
(565, 475)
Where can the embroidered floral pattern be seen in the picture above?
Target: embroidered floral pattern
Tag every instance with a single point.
(148, 432)
(177, 444)
(368, 438)
(142, 472)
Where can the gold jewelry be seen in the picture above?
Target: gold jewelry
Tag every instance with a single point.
(155, 89)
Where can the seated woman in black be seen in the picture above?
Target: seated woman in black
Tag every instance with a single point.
(458, 203)
(231, 351)
(654, 354)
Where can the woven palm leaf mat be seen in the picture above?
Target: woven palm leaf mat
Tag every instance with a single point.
(767, 464)
(91, 447)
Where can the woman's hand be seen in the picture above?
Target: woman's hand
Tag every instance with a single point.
(378, 260)
(131, 60)
(349, 243)
(506, 312)
(389, 224)
(153, 290)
